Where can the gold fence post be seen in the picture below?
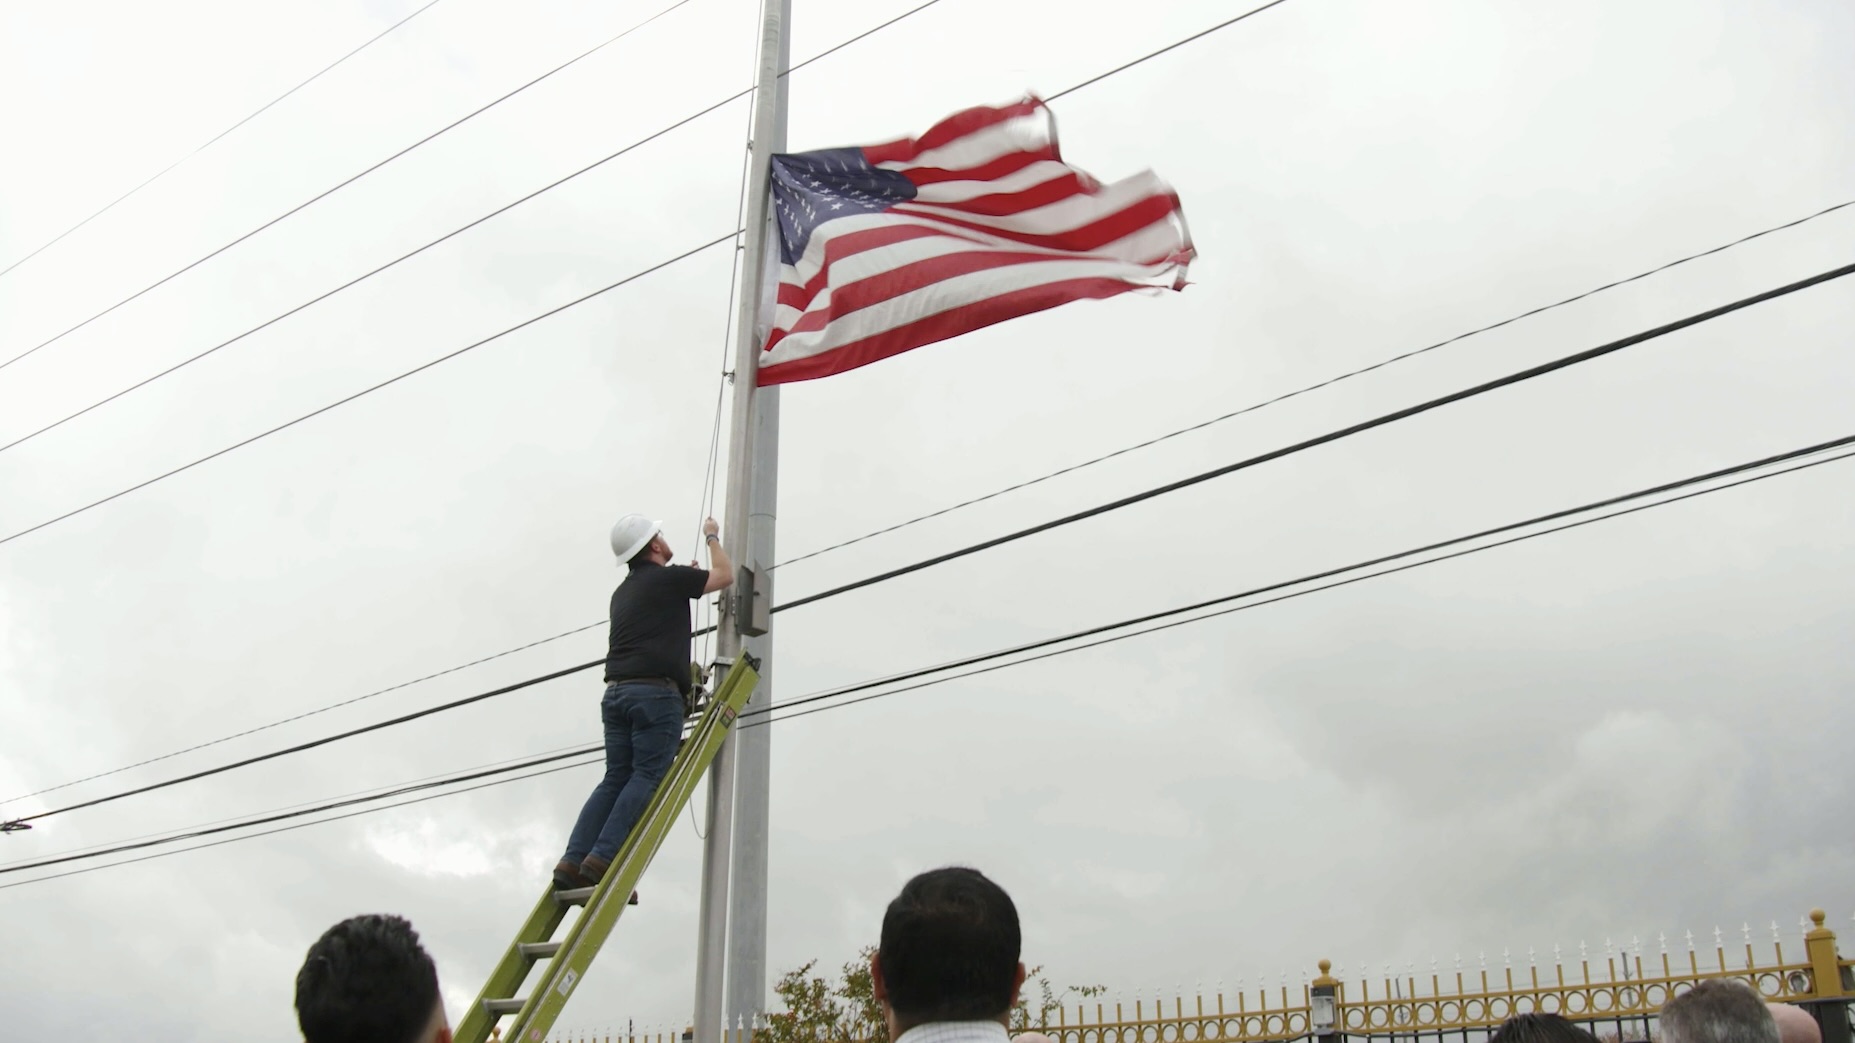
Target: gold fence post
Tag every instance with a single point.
(1323, 1004)
(1825, 963)
(1830, 995)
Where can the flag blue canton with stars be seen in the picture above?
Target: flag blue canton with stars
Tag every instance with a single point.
(810, 188)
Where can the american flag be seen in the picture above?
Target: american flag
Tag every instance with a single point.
(979, 220)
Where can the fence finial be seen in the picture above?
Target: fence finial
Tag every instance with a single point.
(1775, 936)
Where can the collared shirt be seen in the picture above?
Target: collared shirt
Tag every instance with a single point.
(957, 1032)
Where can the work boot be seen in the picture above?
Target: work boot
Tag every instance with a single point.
(593, 869)
(567, 876)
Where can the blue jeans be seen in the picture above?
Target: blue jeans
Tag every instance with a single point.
(643, 723)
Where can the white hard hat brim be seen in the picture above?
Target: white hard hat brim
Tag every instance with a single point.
(656, 529)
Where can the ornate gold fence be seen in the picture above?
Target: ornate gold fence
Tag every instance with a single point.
(1616, 994)
(1620, 992)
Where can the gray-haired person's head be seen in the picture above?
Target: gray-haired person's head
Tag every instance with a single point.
(1724, 1010)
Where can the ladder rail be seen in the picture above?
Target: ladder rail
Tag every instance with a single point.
(574, 953)
(590, 931)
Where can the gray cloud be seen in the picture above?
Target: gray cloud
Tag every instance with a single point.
(1618, 731)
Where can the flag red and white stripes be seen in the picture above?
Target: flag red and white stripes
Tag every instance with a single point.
(979, 220)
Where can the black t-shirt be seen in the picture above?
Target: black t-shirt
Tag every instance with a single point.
(650, 623)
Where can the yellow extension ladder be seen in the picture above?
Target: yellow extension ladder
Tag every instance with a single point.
(564, 961)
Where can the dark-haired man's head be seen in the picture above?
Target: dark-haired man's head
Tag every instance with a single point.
(949, 952)
(1723, 1010)
(367, 980)
(1540, 1028)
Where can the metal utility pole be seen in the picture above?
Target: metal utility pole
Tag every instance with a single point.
(731, 950)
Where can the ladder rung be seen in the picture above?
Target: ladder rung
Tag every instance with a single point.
(496, 1007)
(574, 896)
(539, 950)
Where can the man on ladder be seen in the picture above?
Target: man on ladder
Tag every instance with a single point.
(647, 675)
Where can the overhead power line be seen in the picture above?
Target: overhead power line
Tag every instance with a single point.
(182, 364)
(328, 192)
(401, 376)
(1175, 45)
(12, 824)
(1334, 436)
(1513, 378)
(260, 436)
(1124, 627)
(1330, 381)
(280, 722)
(373, 791)
(20, 867)
(979, 499)
(1298, 581)
(301, 825)
(158, 175)
(1284, 597)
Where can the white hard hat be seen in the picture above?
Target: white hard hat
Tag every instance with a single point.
(630, 535)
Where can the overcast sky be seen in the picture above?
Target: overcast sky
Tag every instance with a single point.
(1635, 727)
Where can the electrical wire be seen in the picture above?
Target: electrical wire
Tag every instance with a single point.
(685, 255)
(1788, 457)
(18, 867)
(486, 217)
(1169, 47)
(317, 198)
(1500, 382)
(1334, 436)
(679, 124)
(1736, 469)
(715, 434)
(214, 140)
(297, 717)
(1330, 381)
(376, 791)
(13, 824)
(1311, 590)
(714, 438)
(299, 825)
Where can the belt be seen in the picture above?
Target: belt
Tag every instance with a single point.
(660, 682)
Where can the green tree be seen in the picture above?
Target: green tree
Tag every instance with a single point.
(846, 1011)
(817, 1011)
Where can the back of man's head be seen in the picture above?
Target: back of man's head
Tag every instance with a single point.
(367, 980)
(1540, 1028)
(949, 949)
(1723, 1010)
